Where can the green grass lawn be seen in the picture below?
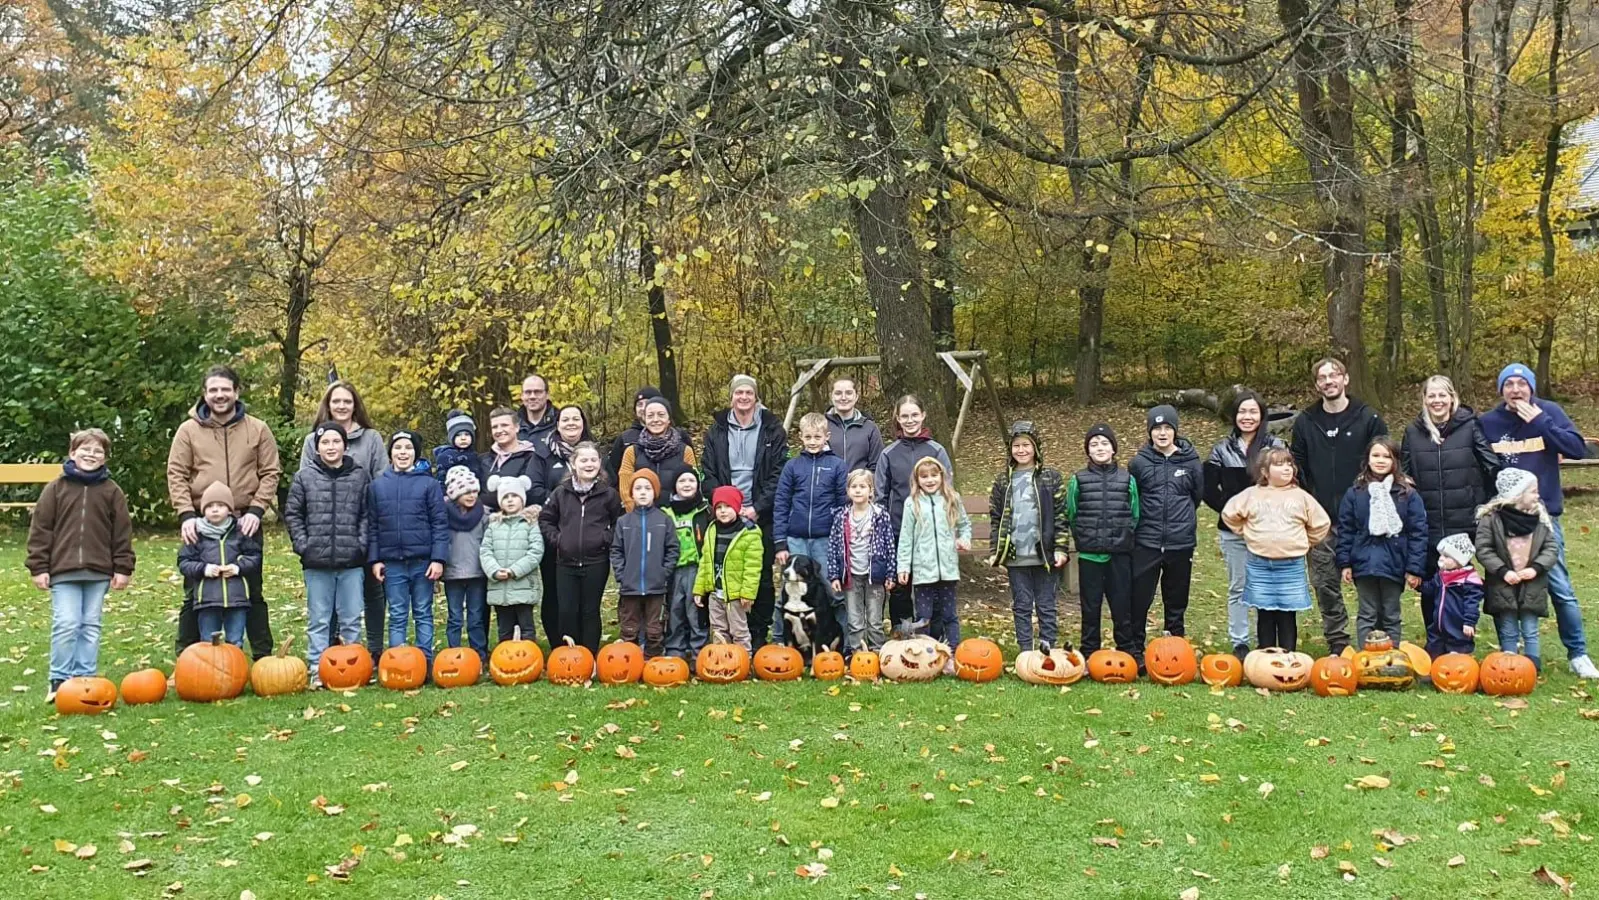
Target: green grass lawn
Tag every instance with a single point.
(943, 790)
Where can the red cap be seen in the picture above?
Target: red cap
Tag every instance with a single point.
(728, 494)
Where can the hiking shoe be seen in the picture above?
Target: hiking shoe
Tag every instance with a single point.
(55, 685)
(1582, 667)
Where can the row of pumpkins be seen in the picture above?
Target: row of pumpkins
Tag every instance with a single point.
(219, 671)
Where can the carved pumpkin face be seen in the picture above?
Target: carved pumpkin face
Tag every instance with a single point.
(979, 660)
(144, 686)
(621, 662)
(1112, 666)
(344, 667)
(913, 659)
(865, 665)
(86, 696)
(279, 673)
(1276, 669)
(206, 672)
(775, 662)
(1056, 666)
(665, 671)
(516, 661)
(722, 663)
(1333, 676)
(572, 664)
(1171, 660)
(403, 668)
(457, 667)
(827, 666)
(1221, 670)
(1455, 673)
(1381, 667)
(1507, 675)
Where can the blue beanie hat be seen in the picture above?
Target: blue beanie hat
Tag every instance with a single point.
(1517, 370)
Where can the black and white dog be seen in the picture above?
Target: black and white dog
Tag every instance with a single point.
(810, 614)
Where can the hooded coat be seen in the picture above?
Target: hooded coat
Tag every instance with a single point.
(894, 469)
(1454, 476)
(1054, 528)
(856, 440)
(326, 515)
(240, 452)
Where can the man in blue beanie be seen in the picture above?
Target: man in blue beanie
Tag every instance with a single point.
(1533, 434)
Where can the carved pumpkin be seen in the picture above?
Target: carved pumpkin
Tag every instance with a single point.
(1333, 676)
(827, 665)
(403, 668)
(665, 671)
(1456, 673)
(1276, 669)
(211, 671)
(88, 695)
(1381, 667)
(144, 686)
(457, 667)
(1112, 666)
(1221, 670)
(572, 664)
(913, 659)
(720, 662)
(279, 673)
(344, 667)
(776, 662)
(1378, 640)
(1055, 666)
(1420, 659)
(620, 662)
(1507, 675)
(1171, 660)
(979, 660)
(516, 661)
(865, 665)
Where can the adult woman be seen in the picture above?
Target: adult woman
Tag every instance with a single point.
(553, 460)
(1447, 455)
(1231, 469)
(913, 443)
(659, 448)
(509, 456)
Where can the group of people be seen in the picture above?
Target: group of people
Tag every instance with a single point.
(541, 522)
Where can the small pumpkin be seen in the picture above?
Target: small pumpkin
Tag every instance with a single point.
(1276, 669)
(1221, 670)
(86, 695)
(1507, 675)
(778, 662)
(865, 665)
(1112, 666)
(913, 659)
(516, 661)
(403, 668)
(979, 660)
(344, 667)
(720, 662)
(665, 671)
(572, 664)
(208, 671)
(1333, 676)
(1456, 673)
(827, 665)
(1052, 666)
(279, 673)
(1381, 667)
(457, 667)
(620, 662)
(144, 686)
(1420, 659)
(1171, 660)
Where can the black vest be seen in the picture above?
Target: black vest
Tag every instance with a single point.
(1104, 520)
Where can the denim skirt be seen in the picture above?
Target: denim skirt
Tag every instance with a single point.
(1279, 584)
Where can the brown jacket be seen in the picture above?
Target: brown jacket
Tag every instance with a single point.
(241, 453)
(81, 525)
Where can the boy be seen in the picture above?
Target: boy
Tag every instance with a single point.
(1170, 481)
(408, 535)
(691, 516)
(460, 447)
(216, 564)
(1032, 535)
(1102, 506)
(465, 585)
(810, 492)
(643, 556)
(729, 584)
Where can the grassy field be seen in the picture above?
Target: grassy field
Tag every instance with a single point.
(939, 790)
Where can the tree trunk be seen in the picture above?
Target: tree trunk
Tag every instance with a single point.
(1499, 94)
(1417, 180)
(940, 219)
(660, 325)
(1551, 167)
(1090, 323)
(1468, 209)
(299, 301)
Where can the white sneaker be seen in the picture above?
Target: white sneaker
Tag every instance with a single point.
(1582, 667)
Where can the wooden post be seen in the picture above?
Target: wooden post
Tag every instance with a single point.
(993, 399)
(966, 404)
(818, 366)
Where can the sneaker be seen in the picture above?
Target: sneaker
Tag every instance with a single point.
(1240, 651)
(55, 685)
(315, 684)
(1582, 667)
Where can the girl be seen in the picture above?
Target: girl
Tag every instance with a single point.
(326, 517)
(552, 458)
(1516, 544)
(1279, 522)
(1453, 598)
(1231, 468)
(913, 442)
(934, 529)
(1032, 536)
(860, 561)
(728, 585)
(1382, 539)
(578, 521)
(661, 448)
(643, 557)
(408, 537)
(465, 583)
(510, 554)
(80, 545)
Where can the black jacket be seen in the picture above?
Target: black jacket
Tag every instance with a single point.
(580, 526)
(522, 462)
(326, 515)
(1102, 511)
(233, 547)
(1454, 477)
(1169, 491)
(770, 454)
(1329, 450)
(531, 431)
(894, 469)
(1229, 471)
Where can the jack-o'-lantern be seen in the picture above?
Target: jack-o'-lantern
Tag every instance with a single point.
(208, 671)
(827, 665)
(665, 671)
(572, 664)
(913, 659)
(144, 686)
(620, 662)
(279, 673)
(1171, 660)
(1053, 666)
(1221, 670)
(1507, 675)
(1455, 673)
(777, 662)
(457, 667)
(720, 662)
(344, 667)
(1381, 667)
(403, 668)
(979, 660)
(86, 696)
(1420, 659)
(1276, 669)
(1112, 666)
(1333, 676)
(865, 665)
(516, 661)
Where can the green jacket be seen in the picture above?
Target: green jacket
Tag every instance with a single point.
(512, 542)
(1054, 526)
(691, 526)
(927, 540)
(741, 569)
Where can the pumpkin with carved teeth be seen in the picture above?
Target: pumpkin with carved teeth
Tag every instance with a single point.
(403, 668)
(457, 667)
(86, 695)
(827, 665)
(778, 662)
(979, 660)
(571, 664)
(1456, 673)
(344, 667)
(1276, 669)
(1056, 666)
(1382, 667)
(1221, 670)
(913, 659)
(1507, 675)
(1170, 660)
(665, 671)
(865, 665)
(516, 661)
(720, 662)
(620, 662)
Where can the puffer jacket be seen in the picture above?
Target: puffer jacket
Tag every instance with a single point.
(578, 527)
(882, 550)
(1229, 471)
(240, 453)
(644, 553)
(927, 539)
(448, 456)
(1054, 529)
(1493, 551)
(1454, 477)
(857, 441)
(894, 469)
(405, 517)
(1391, 558)
(364, 445)
(326, 515)
(232, 547)
(81, 522)
(512, 542)
(1102, 502)
(1169, 491)
(742, 569)
(809, 491)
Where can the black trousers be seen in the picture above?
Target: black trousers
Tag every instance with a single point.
(1107, 583)
(257, 627)
(377, 608)
(517, 615)
(901, 601)
(578, 590)
(760, 617)
(549, 612)
(1173, 572)
(1277, 628)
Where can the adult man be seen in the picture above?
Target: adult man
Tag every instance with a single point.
(746, 448)
(852, 434)
(1329, 446)
(1531, 433)
(537, 417)
(219, 442)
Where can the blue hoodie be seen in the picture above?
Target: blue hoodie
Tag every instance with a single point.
(406, 519)
(809, 492)
(1536, 446)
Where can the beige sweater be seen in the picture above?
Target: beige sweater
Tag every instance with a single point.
(1277, 523)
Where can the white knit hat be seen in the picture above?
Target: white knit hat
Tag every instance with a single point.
(1457, 547)
(1513, 482)
(460, 481)
(741, 380)
(517, 485)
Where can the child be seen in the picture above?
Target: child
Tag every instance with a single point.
(408, 537)
(465, 585)
(1031, 534)
(810, 491)
(860, 561)
(1170, 485)
(1279, 523)
(577, 521)
(510, 554)
(691, 516)
(326, 517)
(1102, 507)
(460, 448)
(643, 557)
(216, 564)
(1454, 595)
(1382, 539)
(932, 532)
(729, 584)
(80, 545)
(1516, 544)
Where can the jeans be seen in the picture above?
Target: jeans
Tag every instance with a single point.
(1379, 608)
(1032, 589)
(1523, 628)
(75, 610)
(935, 603)
(330, 591)
(230, 621)
(1568, 617)
(410, 596)
(466, 604)
(1328, 585)
(1236, 556)
(685, 622)
(863, 605)
(816, 548)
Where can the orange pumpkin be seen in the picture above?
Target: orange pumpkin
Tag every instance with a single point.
(1507, 675)
(516, 661)
(86, 695)
(1112, 666)
(1171, 660)
(1221, 670)
(777, 662)
(1456, 673)
(979, 660)
(720, 662)
(279, 673)
(344, 667)
(572, 664)
(827, 665)
(1333, 676)
(1420, 659)
(211, 671)
(1050, 665)
(403, 668)
(1380, 667)
(1378, 640)
(665, 671)
(457, 667)
(865, 665)
(1276, 669)
(620, 662)
(144, 686)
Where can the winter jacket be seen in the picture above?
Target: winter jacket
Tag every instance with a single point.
(406, 518)
(1169, 491)
(531, 431)
(1493, 551)
(1453, 608)
(1277, 522)
(447, 457)
(241, 453)
(1229, 470)
(579, 526)
(1329, 450)
(81, 522)
(521, 461)
(894, 467)
(232, 547)
(742, 567)
(883, 549)
(1054, 527)
(690, 518)
(770, 453)
(1454, 477)
(629, 437)
(927, 548)
(512, 542)
(326, 515)
(857, 440)
(1536, 446)
(551, 469)
(466, 542)
(1388, 557)
(644, 553)
(364, 445)
(666, 471)
(1102, 504)
(809, 491)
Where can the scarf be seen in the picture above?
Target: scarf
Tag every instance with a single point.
(1384, 519)
(71, 472)
(686, 505)
(1518, 523)
(500, 458)
(463, 520)
(661, 447)
(215, 532)
(560, 449)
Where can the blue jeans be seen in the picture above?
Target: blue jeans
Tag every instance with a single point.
(466, 602)
(816, 548)
(75, 609)
(229, 621)
(1568, 617)
(1236, 555)
(328, 591)
(410, 596)
(1524, 628)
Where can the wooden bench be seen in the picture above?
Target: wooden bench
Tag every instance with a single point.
(27, 473)
(983, 537)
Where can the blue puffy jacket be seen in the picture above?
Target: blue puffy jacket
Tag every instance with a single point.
(1389, 557)
(809, 492)
(406, 517)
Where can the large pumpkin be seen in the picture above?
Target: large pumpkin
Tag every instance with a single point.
(1333, 676)
(1507, 675)
(403, 668)
(216, 670)
(572, 664)
(1276, 669)
(1055, 666)
(979, 659)
(516, 661)
(1112, 666)
(144, 686)
(865, 665)
(1171, 660)
(827, 665)
(1221, 670)
(913, 659)
(1456, 673)
(777, 662)
(665, 671)
(457, 667)
(86, 695)
(344, 667)
(720, 662)
(279, 673)
(1381, 667)
(620, 662)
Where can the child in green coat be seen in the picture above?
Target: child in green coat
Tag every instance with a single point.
(685, 617)
(729, 584)
(512, 548)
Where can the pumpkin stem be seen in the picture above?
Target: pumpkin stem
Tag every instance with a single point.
(283, 648)
(717, 636)
(516, 633)
(219, 638)
(569, 641)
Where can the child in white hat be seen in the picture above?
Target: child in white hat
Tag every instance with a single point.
(1517, 548)
(1455, 597)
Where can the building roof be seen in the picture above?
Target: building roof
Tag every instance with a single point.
(1585, 135)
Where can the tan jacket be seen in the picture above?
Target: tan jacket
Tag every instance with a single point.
(241, 453)
(1277, 523)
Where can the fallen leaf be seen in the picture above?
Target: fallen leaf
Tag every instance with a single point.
(1543, 875)
(1319, 851)
(138, 865)
(1372, 782)
(1106, 842)
(1189, 894)
(1456, 861)
(87, 851)
(458, 766)
(1265, 789)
